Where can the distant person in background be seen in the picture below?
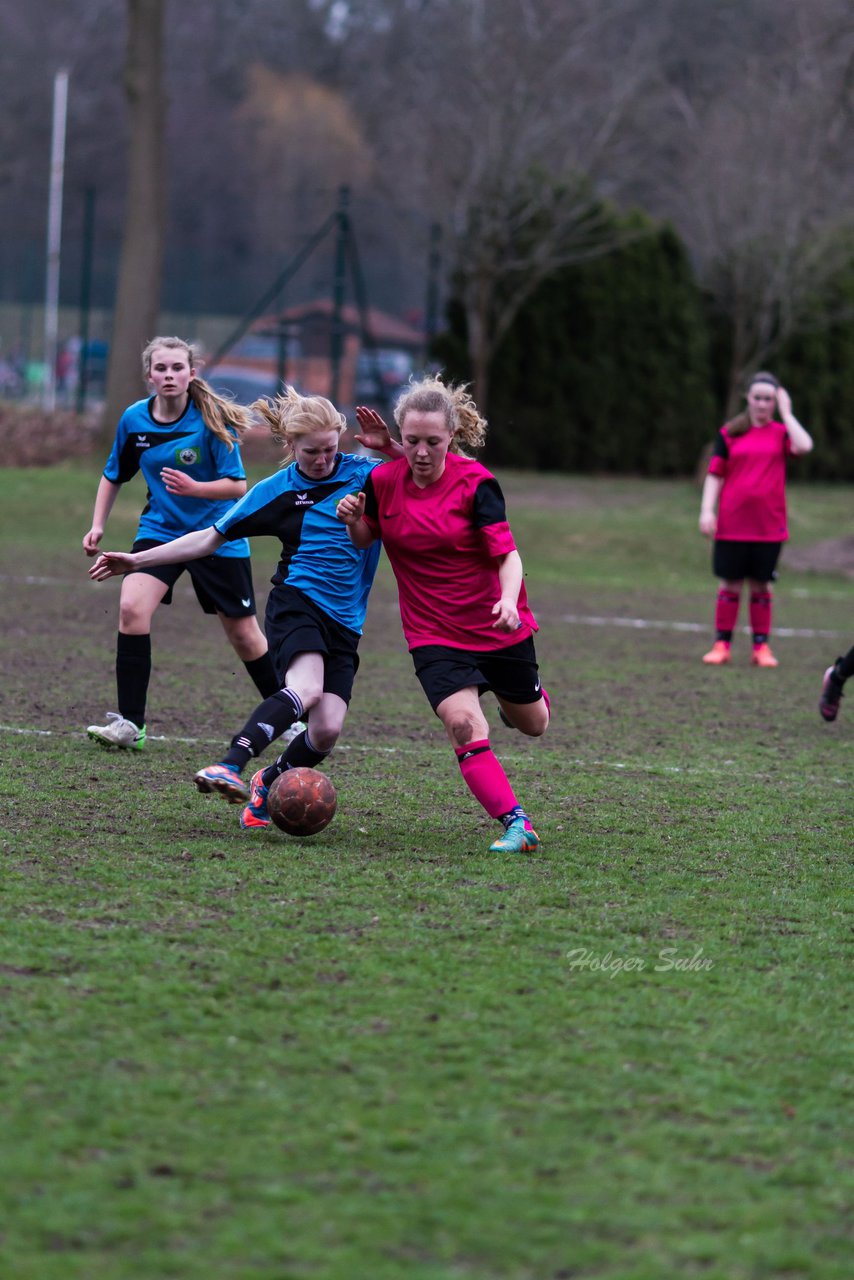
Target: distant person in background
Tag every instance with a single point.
(465, 615)
(65, 369)
(831, 687)
(743, 508)
(316, 609)
(185, 440)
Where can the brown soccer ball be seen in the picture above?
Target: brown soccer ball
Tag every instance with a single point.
(302, 801)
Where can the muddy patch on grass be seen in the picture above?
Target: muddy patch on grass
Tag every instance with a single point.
(831, 555)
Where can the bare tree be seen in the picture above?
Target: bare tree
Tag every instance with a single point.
(138, 293)
(766, 193)
(503, 120)
(510, 118)
(299, 133)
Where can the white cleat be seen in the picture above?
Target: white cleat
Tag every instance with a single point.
(118, 732)
(294, 732)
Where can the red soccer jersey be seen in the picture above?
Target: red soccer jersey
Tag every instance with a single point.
(443, 542)
(752, 506)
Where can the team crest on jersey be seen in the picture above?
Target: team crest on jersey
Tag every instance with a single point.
(186, 457)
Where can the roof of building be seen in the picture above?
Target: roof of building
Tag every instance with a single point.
(383, 328)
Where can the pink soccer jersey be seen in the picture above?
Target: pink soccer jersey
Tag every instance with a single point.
(752, 506)
(443, 542)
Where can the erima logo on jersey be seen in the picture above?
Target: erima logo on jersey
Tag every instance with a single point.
(303, 500)
(142, 442)
(246, 603)
(186, 457)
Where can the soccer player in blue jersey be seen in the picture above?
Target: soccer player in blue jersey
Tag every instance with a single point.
(185, 440)
(316, 609)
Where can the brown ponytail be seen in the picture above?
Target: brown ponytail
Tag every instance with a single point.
(740, 424)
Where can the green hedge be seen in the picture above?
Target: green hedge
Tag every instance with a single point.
(619, 365)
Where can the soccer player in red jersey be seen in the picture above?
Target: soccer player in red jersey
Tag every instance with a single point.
(441, 517)
(747, 484)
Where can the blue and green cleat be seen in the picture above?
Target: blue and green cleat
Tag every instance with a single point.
(517, 838)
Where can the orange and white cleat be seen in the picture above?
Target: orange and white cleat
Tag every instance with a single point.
(256, 814)
(763, 657)
(718, 654)
(224, 779)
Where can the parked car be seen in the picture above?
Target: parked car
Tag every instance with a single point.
(382, 373)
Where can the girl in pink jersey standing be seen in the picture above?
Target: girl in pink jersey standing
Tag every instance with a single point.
(465, 615)
(746, 486)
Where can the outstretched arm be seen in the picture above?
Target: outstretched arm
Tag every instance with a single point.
(202, 542)
(374, 434)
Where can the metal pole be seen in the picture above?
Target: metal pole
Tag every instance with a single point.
(431, 314)
(336, 335)
(367, 341)
(281, 355)
(280, 282)
(85, 294)
(54, 236)
(281, 344)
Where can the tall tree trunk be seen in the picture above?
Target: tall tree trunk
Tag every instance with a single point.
(479, 340)
(138, 292)
(738, 364)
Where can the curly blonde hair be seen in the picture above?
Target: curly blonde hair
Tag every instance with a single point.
(224, 417)
(461, 414)
(292, 415)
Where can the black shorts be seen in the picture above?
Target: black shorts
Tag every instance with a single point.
(295, 624)
(735, 561)
(510, 673)
(223, 584)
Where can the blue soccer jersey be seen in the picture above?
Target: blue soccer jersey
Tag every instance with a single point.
(317, 555)
(143, 444)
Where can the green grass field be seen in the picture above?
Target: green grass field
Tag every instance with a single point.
(381, 1052)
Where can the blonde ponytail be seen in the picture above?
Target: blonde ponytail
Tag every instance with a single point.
(221, 415)
(292, 415)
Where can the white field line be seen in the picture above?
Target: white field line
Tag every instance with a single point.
(582, 620)
(412, 749)
(654, 624)
(29, 580)
(577, 619)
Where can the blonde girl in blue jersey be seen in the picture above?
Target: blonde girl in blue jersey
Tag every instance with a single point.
(185, 440)
(320, 591)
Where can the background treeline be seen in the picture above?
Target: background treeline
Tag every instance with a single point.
(621, 364)
(524, 131)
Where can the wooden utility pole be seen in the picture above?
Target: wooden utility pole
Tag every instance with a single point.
(138, 294)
